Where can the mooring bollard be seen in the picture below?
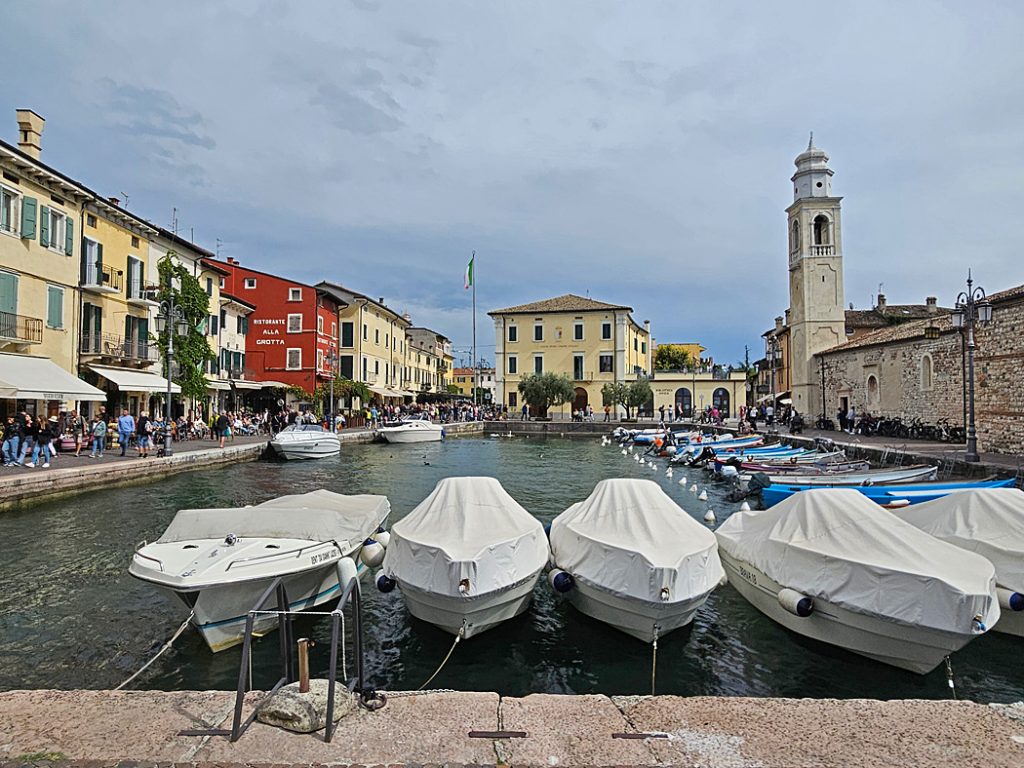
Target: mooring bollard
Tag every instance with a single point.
(304, 645)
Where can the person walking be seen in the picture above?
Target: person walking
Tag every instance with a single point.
(526, 412)
(99, 437)
(76, 426)
(11, 441)
(143, 427)
(29, 433)
(125, 429)
(607, 412)
(222, 427)
(47, 431)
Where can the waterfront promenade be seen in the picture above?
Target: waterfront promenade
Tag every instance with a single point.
(100, 728)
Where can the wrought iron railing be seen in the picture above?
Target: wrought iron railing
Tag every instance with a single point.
(21, 328)
(118, 347)
(101, 276)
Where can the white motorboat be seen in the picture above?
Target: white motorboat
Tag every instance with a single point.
(412, 431)
(832, 565)
(219, 561)
(467, 557)
(990, 522)
(305, 441)
(630, 557)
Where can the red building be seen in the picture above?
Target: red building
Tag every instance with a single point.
(292, 332)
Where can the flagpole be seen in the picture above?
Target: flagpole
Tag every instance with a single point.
(472, 275)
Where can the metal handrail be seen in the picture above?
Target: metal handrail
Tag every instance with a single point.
(156, 560)
(296, 552)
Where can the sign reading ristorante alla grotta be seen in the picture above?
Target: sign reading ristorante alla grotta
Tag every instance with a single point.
(269, 330)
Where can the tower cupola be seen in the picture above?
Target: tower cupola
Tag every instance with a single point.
(813, 177)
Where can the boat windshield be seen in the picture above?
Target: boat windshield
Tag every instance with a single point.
(303, 428)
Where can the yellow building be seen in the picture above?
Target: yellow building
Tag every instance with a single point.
(464, 379)
(427, 363)
(592, 342)
(684, 394)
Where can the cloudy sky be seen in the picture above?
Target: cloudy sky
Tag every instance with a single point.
(637, 151)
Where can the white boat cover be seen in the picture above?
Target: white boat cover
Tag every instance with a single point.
(989, 521)
(629, 537)
(467, 528)
(838, 545)
(316, 516)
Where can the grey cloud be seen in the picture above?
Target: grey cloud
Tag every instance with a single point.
(418, 41)
(354, 113)
(155, 113)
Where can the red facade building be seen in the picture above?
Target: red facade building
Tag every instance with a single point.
(293, 332)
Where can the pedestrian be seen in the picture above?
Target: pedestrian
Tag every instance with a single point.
(607, 412)
(222, 427)
(143, 427)
(851, 419)
(125, 429)
(841, 418)
(76, 425)
(29, 433)
(99, 437)
(47, 431)
(11, 441)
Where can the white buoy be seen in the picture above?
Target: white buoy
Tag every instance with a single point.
(693, 488)
(668, 472)
(703, 496)
(624, 452)
(631, 449)
(682, 481)
(744, 507)
(709, 516)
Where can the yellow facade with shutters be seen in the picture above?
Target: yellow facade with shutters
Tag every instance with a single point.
(591, 342)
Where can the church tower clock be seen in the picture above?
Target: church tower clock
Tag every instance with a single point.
(817, 316)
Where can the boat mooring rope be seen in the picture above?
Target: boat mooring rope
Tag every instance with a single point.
(949, 676)
(654, 658)
(458, 637)
(161, 652)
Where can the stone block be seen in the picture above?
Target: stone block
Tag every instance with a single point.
(294, 710)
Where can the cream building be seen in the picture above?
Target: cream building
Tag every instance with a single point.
(464, 379)
(592, 342)
(427, 365)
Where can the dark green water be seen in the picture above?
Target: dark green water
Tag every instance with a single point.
(71, 617)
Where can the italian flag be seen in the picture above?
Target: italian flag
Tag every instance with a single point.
(469, 271)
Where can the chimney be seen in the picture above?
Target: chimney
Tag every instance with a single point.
(380, 300)
(114, 201)
(30, 132)
(787, 317)
(232, 261)
(931, 305)
(881, 301)
(778, 324)
(407, 317)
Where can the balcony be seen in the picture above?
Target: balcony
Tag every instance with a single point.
(823, 250)
(119, 349)
(583, 376)
(100, 278)
(20, 329)
(141, 295)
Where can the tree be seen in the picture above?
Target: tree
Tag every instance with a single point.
(191, 351)
(542, 391)
(344, 389)
(629, 395)
(671, 357)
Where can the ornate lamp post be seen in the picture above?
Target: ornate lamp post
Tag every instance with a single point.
(170, 318)
(332, 361)
(972, 308)
(772, 351)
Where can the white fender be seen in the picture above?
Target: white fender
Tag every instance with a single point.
(1010, 600)
(372, 554)
(795, 603)
(348, 570)
(384, 537)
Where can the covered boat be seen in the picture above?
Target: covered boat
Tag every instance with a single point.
(219, 561)
(413, 430)
(630, 557)
(305, 441)
(989, 521)
(467, 557)
(833, 566)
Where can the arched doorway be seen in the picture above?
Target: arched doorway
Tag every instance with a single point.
(720, 400)
(684, 402)
(581, 399)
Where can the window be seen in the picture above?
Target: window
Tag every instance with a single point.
(872, 389)
(577, 331)
(334, 329)
(222, 283)
(366, 332)
(513, 364)
(385, 339)
(319, 324)
(134, 287)
(926, 372)
(636, 343)
(346, 368)
(54, 307)
(606, 331)
(10, 209)
(347, 331)
(513, 333)
(294, 359)
(250, 283)
(605, 363)
(135, 242)
(223, 318)
(538, 332)
(209, 286)
(294, 323)
(364, 369)
(513, 400)
(294, 294)
(241, 325)
(214, 325)
(54, 230)
(538, 364)
(376, 367)
(684, 402)
(794, 237)
(720, 400)
(821, 230)
(90, 220)
(376, 335)
(643, 347)
(319, 359)
(577, 367)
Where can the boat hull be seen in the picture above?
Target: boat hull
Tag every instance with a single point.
(638, 618)
(916, 649)
(411, 436)
(477, 613)
(307, 449)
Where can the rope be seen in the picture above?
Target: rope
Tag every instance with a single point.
(161, 652)
(654, 658)
(458, 637)
(949, 676)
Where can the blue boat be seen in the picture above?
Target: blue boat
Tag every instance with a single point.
(888, 495)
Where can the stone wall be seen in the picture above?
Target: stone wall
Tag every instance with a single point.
(891, 378)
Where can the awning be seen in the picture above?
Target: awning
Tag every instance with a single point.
(240, 384)
(129, 380)
(273, 385)
(382, 391)
(39, 378)
(218, 385)
(405, 393)
(786, 401)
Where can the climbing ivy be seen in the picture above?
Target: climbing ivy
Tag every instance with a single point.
(191, 352)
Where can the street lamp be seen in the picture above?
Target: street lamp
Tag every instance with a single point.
(772, 344)
(171, 318)
(972, 307)
(332, 362)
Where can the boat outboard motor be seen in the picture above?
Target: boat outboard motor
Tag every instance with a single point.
(706, 454)
(757, 483)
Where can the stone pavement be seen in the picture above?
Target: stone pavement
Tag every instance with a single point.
(106, 728)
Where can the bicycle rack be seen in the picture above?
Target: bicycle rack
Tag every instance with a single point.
(357, 684)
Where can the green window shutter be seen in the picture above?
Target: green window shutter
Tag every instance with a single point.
(28, 218)
(99, 255)
(69, 236)
(55, 307)
(44, 226)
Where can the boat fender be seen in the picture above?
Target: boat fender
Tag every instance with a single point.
(795, 603)
(347, 570)
(383, 538)
(666, 594)
(385, 583)
(560, 581)
(1010, 601)
(372, 553)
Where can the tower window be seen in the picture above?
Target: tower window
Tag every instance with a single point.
(818, 185)
(822, 236)
(794, 237)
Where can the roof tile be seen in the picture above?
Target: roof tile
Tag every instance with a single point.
(566, 303)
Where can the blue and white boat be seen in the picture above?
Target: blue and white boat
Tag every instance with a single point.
(887, 495)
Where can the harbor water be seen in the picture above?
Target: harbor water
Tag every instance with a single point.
(72, 617)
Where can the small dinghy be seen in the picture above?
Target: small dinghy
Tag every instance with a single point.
(989, 521)
(219, 561)
(467, 557)
(631, 557)
(834, 566)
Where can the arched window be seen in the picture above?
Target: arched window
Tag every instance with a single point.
(872, 389)
(684, 402)
(926, 372)
(720, 400)
(794, 237)
(822, 235)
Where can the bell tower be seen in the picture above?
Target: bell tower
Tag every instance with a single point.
(817, 315)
